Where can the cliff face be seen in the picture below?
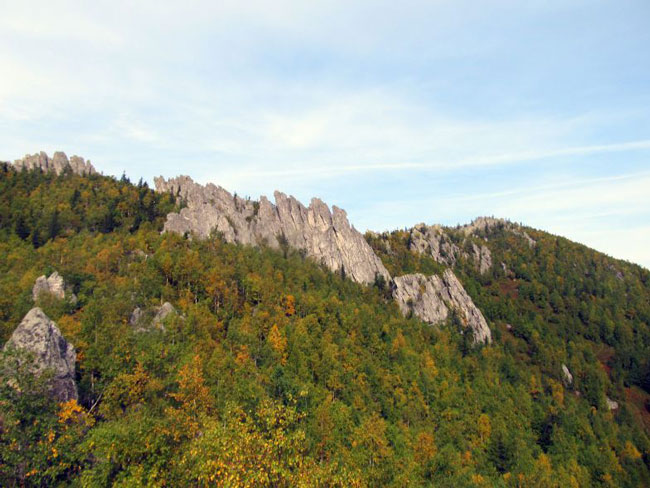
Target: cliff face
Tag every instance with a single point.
(57, 163)
(325, 235)
(433, 299)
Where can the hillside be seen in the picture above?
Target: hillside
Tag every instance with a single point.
(239, 357)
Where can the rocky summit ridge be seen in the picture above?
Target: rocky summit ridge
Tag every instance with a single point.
(324, 235)
(328, 237)
(58, 163)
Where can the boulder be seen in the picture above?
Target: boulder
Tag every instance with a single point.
(611, 404)
(40, 336)
(143, 321)
(162, 312)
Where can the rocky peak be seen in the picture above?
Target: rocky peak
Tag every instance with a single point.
(57, 163)
(488, 224)
(433, 298)
(324, 235)
(40, 336)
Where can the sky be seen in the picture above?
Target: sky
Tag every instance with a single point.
(399, 112)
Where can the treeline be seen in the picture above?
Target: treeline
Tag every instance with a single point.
(39, 206)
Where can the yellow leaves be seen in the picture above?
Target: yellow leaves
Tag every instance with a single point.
(425, 447)
(398, 344)
(278, 343)
(371, 437)
(243, 357)
(535, 385)
(484, 428)
(557, 393)
(69, 410)
(289, 304)
(477, 479)
(630, 452)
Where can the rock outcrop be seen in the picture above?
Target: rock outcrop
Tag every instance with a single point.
(435, 241)
(433, 299)
(611, 404)
(567, 377)
(58, 163)
(143, 321)
(324, 235)
(489, 224)
(40, 336)
(52, 285)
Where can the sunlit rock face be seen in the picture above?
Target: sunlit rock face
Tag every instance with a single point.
(58, 163)
(433, 298)
(39, 336)
(324, 235)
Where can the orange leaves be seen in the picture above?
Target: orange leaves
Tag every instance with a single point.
(195, 403)
(69, 410)
(425, 448)
(278, 343)
(289, 304)
(193, 393)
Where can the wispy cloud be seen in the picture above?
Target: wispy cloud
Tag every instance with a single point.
(426, 110)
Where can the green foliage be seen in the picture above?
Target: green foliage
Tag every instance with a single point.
(276, 372)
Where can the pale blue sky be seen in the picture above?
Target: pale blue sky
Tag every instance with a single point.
(399, 112)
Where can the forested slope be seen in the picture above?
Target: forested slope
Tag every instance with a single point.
(277, 372)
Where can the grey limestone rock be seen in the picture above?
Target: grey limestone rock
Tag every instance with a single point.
(324, 235)
(434, 241)
(53, 285)
(433, 298)
(611, 404)
(57, 163)
(162, 312)
(567, 376)
(482, 257)
(144, 321)
(487, 224)
(40, 336)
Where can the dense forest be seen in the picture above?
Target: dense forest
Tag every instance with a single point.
(277, 372)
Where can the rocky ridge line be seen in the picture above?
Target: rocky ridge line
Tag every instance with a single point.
(58, 163)
(324, 235)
